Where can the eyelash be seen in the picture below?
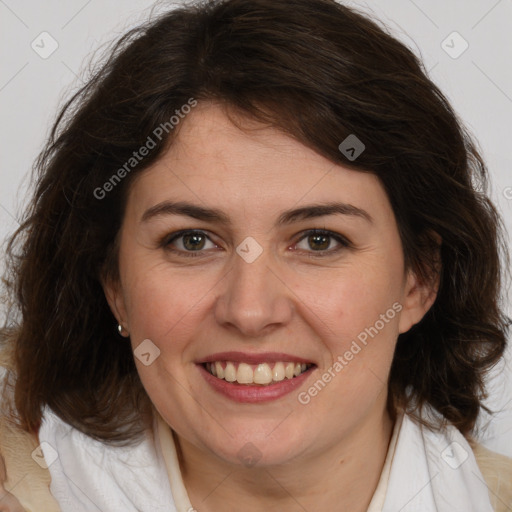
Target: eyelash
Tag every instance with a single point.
(344, 243)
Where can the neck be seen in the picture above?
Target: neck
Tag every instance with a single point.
(347, 473)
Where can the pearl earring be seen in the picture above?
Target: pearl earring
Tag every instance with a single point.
(121, 330)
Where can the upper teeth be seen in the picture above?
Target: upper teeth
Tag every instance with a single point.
(262, 373)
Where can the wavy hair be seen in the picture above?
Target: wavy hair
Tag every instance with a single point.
(318, 71)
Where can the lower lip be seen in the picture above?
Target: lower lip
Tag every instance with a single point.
(247, 393)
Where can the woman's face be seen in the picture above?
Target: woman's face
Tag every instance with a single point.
(254, 291)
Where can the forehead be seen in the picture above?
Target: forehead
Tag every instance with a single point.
(250, 168)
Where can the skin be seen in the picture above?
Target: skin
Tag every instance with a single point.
(314, 456)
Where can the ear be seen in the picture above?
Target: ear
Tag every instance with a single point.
(115, 298)
(420, 293)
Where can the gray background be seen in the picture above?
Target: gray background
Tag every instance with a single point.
(478, 82)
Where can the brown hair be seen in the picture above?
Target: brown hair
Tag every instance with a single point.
(316, 70)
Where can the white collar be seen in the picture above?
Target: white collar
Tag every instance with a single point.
(424, 471)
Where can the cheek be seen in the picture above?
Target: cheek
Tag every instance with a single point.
(356, 298)
(361, 310)
(361, 307)
(163, 309)
(161, 301)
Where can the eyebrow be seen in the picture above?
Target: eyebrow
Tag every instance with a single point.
(288, 217)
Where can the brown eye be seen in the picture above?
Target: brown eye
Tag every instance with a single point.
(193, 241)
(320, 241)
(188, 242)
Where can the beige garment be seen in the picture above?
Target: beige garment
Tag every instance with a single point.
(497, 472)
(26, 481)
(29, 483)
(24, 484)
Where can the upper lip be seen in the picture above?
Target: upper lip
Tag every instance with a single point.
(252, 358)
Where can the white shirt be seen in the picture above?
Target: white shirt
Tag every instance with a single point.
(424, 471)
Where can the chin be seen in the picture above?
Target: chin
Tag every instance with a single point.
(254, 447)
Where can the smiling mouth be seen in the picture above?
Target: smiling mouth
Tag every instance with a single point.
(262, 374)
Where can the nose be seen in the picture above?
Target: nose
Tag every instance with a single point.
(255, 298)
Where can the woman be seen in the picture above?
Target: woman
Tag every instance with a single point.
(259, 267)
